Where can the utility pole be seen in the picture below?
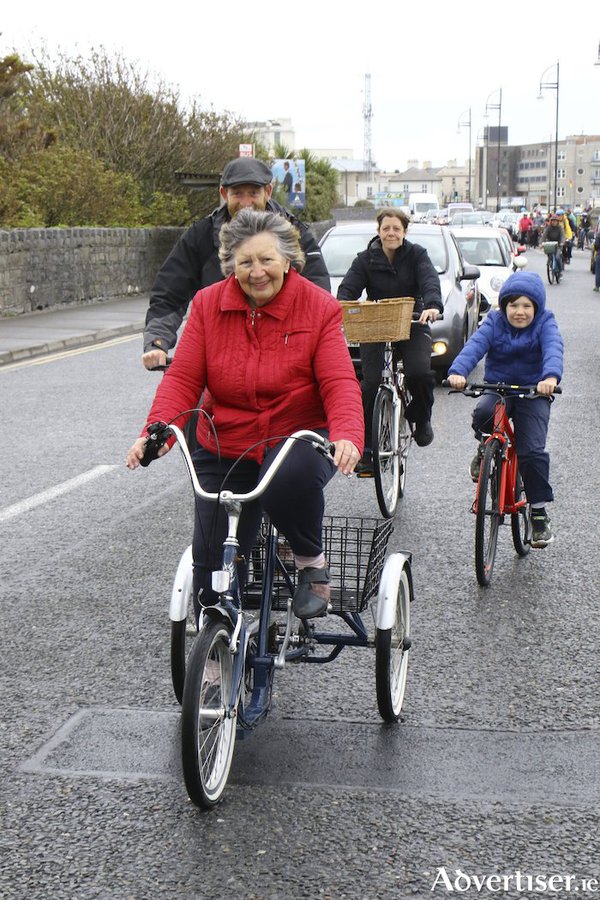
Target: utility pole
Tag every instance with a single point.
(367, 116)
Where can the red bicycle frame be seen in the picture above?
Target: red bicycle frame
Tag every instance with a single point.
(502, 432)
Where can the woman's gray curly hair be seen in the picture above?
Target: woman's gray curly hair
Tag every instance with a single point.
(248, 222)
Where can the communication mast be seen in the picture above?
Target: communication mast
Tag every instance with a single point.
(367, 116)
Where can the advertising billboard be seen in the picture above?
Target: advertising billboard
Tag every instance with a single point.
(289, 176)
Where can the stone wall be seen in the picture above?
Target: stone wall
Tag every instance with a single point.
(44, 267)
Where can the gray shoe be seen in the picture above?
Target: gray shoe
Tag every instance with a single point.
(475, 464)
(306, 604)
(541, 533)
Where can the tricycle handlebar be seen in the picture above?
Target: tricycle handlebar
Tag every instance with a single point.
(320, 443)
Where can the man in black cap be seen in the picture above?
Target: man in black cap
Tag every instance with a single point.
(194, 261)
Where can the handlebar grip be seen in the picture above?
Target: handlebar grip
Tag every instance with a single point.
(162, 368)
(158, 435)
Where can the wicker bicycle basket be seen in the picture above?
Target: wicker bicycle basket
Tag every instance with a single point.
(370, 322)
(355, 548)
(550, 247)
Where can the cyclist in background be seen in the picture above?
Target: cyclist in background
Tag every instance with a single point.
(554, 232)
(522, 345)
(565, 222)
(391, 266)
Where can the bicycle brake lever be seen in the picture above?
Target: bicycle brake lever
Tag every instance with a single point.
(158, 435)
(326, 449)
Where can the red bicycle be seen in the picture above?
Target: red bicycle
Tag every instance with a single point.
(500, 490)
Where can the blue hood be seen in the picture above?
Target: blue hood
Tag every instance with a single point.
(523, 284)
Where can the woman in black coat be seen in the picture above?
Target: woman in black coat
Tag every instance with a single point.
(391, 266)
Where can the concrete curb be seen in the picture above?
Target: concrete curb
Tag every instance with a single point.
(72, 343)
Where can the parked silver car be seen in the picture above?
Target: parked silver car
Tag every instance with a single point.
(458, 280)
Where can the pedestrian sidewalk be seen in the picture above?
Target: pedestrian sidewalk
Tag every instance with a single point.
(69, 327)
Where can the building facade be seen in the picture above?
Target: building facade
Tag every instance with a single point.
(533, 175)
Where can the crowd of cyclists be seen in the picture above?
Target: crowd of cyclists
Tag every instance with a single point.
(576, 228)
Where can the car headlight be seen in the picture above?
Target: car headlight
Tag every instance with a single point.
(438, 348)
(496, 283)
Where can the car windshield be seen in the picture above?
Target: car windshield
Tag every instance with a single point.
(435, 246)
(340, 249)
(467, 219)
(481, 251)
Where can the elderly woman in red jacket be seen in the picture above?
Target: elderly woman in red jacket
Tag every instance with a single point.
(266, 347)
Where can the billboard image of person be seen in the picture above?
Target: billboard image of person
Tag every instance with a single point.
(289, 179)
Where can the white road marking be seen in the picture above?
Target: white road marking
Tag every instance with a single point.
(45, 496)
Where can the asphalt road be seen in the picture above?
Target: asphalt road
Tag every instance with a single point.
(494, 772)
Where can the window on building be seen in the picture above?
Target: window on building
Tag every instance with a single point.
(560, 192)
(562, 155)
(561, 173)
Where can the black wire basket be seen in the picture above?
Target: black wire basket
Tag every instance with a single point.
(355, 550)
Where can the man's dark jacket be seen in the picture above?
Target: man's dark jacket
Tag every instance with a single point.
(194, 264)
(410, 274)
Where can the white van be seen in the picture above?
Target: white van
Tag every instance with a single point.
(420, 204)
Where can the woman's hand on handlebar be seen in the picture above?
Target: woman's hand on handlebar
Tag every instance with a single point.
(458, 382)
(154, 358)
(136, 452)
(346, 456)
(428, 315)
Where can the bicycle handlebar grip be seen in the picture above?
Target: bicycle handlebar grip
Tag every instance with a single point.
(162, 368)
(158, 435)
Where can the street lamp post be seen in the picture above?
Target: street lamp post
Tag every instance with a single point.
(468, 123)
(553, 86)
(497, 106)
(482, 169)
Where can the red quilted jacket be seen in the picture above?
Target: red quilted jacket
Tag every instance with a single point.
(267, 372)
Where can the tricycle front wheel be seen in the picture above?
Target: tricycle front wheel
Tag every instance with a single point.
(392, 643)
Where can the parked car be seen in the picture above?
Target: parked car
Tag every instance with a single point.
(458, 281)
(486, 248)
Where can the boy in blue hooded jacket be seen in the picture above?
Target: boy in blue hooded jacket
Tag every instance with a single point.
(522, 345)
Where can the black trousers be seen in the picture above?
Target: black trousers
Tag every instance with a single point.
(294, 502)
(420, 380)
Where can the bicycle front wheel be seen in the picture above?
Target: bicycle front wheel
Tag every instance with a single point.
(207, 732)
(488, 512)
(386, 462)
(550, 271)
(404, 440)
(392, 645)
(520, 522)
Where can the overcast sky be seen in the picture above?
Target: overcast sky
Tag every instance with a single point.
(307, 61)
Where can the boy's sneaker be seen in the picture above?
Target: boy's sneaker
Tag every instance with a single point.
(475, 464)
(541, 533)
